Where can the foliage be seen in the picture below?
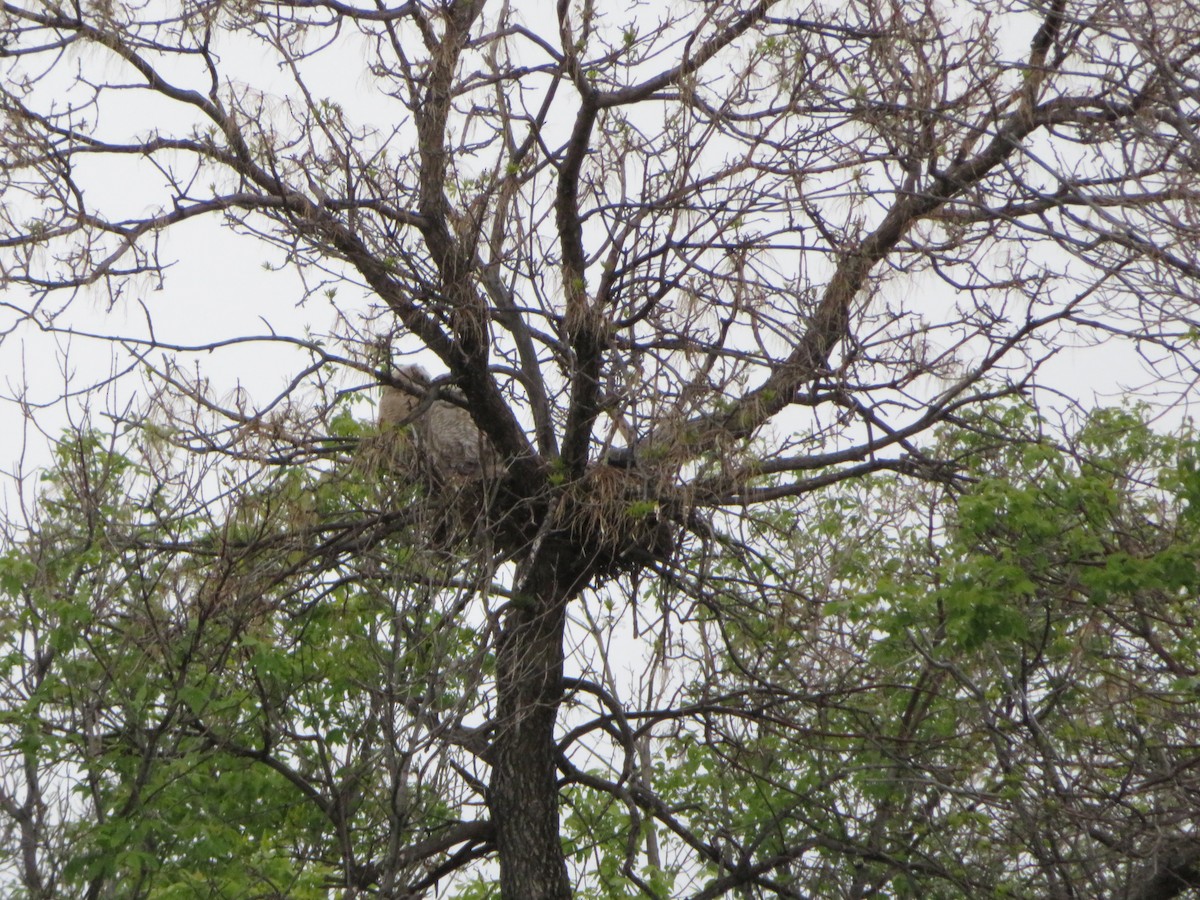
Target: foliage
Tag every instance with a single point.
(993, 697)
(226, 725)
(992, 693)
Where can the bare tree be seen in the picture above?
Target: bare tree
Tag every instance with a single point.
(679, 267)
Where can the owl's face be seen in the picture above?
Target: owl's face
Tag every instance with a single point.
(398, 401)
(396, 406)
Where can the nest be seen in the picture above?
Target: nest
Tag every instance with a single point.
(619, 518)
(614, 517)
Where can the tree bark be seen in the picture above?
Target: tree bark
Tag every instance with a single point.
(523, 794)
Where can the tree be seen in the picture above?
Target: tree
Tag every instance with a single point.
(671, 271)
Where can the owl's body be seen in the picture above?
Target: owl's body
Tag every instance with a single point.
(447, 438)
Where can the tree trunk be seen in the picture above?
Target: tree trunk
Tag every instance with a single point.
(523, 794)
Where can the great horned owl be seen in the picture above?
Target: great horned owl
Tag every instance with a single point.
(446, 436)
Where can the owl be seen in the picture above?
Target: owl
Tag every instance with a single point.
(447, 439)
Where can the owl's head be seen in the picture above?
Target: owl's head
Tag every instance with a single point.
(400, 399)
(413, 379)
